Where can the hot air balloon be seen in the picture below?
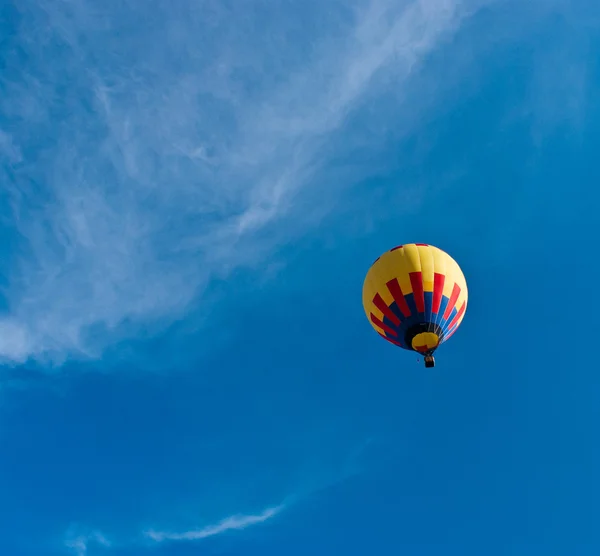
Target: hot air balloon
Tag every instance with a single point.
(415, 296)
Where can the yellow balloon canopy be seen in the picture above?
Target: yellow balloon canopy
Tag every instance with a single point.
(415, 296)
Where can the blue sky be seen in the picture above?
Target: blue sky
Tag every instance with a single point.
(191, 194)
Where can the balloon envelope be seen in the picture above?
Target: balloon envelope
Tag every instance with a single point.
(415, 296)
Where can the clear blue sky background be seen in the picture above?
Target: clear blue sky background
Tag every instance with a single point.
(191, 193)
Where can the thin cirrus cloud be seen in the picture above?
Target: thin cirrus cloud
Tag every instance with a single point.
(232, 523)
(138, 170)
(78, 544)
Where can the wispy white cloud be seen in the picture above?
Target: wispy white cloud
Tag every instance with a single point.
(140, 169)
(8, 151)
(78, 543)
(232, 523)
